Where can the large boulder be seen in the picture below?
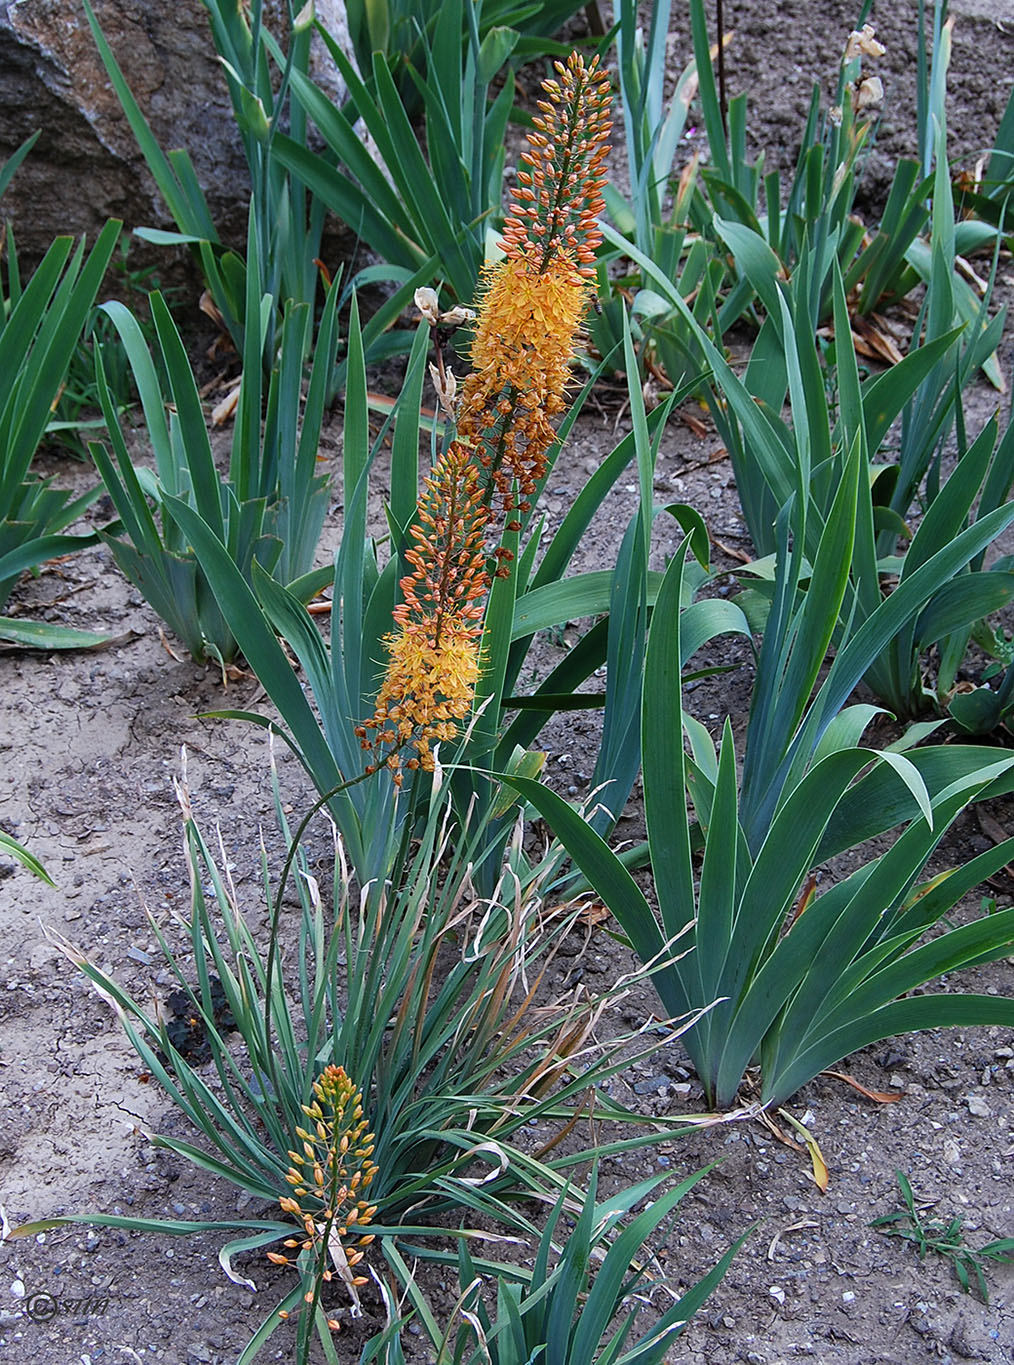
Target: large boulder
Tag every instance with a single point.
(86, 166)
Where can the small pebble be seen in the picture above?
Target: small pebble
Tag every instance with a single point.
(651, 1086)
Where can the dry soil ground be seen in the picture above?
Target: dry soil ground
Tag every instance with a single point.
(89, 747)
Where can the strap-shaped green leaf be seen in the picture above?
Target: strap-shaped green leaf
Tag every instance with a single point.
(258, 643)
(664, 763)
(934, 1011)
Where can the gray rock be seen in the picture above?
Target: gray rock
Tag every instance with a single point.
(86, 166)
(651, 1086)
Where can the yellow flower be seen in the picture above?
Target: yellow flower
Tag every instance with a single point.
(433, 657)
(534, 299)
(428, 687)
(529, 320)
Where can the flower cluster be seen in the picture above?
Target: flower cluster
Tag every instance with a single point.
(329, 1178)
(433, 662)
(558, 199)
(529, 319)
(534, 299)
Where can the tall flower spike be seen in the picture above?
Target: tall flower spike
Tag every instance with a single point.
(558, 199)
(531, 306)
(534, 299)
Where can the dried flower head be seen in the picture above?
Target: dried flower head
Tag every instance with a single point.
(862, 43)
(455, 316)
(869, 91)
(447, 388)
(428, 303)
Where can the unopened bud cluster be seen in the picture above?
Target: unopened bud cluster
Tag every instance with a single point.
(330, 1173)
